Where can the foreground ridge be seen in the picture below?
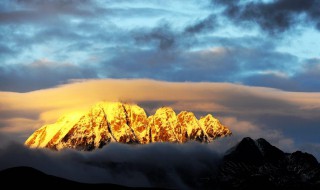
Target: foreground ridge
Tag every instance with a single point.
(109, 122)
(256, 164)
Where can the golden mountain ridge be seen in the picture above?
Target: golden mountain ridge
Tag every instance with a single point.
(109, 122)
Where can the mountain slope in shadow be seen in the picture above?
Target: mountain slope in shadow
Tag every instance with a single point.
(256, 164)
(29, 177)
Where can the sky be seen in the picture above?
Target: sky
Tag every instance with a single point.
(251, 42)
(253, 64)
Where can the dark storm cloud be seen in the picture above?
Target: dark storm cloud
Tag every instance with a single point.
(306, 79)
(156, 49)
(161, 55)
(205, 25)
(162, 36)
(309, 77)
(216, 64)
(275, 16)
(165, 37)
(295, 127)
(42, 11)
(5, 50)
(27, 24)
(18, 16)
(271, 80)
(157, 53)
(40, 74)
(164, 165)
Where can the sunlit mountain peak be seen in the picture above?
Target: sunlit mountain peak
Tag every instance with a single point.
(107, 122)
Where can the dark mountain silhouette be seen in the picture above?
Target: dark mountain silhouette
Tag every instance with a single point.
(28, 177)
(256, 164)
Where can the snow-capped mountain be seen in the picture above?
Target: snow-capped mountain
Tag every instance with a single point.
(109, 122)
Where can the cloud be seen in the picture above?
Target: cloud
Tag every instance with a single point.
(243, 128)
(218, 64)
(309, 77)
(191, 165)
(162, 59)
(123, 164)
(207, 24)
(162, 35)
(274, 16)
(286, 119)
(147, 40)
(40, 74)
(305, 79)
(178, 42)
(42, 11)
(286, 115)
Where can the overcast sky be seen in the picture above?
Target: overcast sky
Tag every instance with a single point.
(269, 43)
(211, 56)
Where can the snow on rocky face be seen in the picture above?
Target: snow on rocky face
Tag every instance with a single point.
(109, 122)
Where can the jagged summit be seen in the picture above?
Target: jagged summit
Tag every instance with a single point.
(107, 122)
